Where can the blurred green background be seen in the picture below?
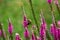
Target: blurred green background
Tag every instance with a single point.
(13, 9)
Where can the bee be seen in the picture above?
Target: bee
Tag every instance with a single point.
(29, 21)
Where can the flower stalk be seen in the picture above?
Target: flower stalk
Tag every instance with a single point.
(33, 36)
(2, 32)
(34, 32)
(17, 37)
(30, 1)
(26, 34)
(25, 21)
(10, 29)
(57, 5)
(43, 27)
(54, 28)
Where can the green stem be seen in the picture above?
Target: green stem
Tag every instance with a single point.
(49, 37)
(11, 37)
(34, 14)
(27, 38)
(0, 38)
(58, 9)
(4, 38)
(2, 31)
(53, 16)
(51, 6)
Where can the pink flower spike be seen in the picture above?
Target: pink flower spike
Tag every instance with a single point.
(49, 1)
(25, 17)
(56, 2)
(59, 33)
(10, 27)
(54, 31)
(25, 22)
(17, 37)
(58, 22)
(26, 33)
(33, 37)
(43, 27)
(58, 29)
(0, 33)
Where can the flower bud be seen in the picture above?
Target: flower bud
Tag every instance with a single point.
(49, 1)
(10, 27)
(17, 37)
(26, 33)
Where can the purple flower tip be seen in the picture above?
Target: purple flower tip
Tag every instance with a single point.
(17, 37)
(26, 33)
(25, 18)
(33, 36)
(49, 1)
(0, 33)
(56, 2)
(43, 31)
(10, 27)
(25, 21)
(58, 23)
(25, 24)
(54, 31)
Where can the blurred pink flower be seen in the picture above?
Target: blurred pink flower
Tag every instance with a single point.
(54, 31)
(25, 18)
(56, 2)
(33, 37)
(0, 33)
(42, 34)
(58, 29)
(26, 33)
(49, 1)
(10, 27)
(43, 29)
(59, 33)
(58, 22)
(17, 37)
(25, 22)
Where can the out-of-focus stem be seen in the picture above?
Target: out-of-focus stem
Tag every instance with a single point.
(11, 37)
(27, 38)
(34, 14)
(58, 6)
(55, 24)
(2, 31)
(51, 6)
(53, 16)
(49, 37)
(58, 9)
